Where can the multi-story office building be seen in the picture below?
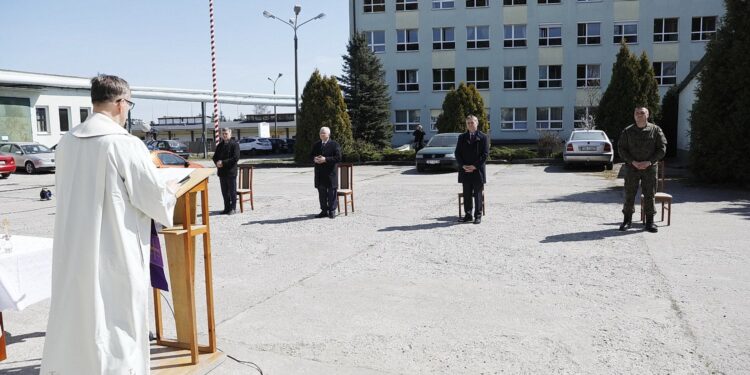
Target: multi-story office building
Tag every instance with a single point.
(540, 65)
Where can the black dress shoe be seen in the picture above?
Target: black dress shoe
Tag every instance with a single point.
(231, 212)
(332, 215)
(650, 226)
(478, 219)
(627, 222)
(322, 214)
(466, 219)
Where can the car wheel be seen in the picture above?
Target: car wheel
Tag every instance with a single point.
(609, 166)
(30, 167)
(5, 175)
(420, 168)
(253, 151)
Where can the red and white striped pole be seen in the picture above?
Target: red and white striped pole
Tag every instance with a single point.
(213, 73)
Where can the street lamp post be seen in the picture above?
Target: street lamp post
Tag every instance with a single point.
(275, 120)
(294, 25)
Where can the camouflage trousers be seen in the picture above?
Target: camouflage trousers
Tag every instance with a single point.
(647, 180)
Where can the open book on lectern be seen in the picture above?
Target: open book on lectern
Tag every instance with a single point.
(187, 177)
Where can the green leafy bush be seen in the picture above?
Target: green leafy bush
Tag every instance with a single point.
(390, 154)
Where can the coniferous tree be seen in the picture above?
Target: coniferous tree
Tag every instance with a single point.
(366, 94)
(720, 130)
(667, 119)
(322, 105)
(649, 88)
(615, 110)
(458, 103)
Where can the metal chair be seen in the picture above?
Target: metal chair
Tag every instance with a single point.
(245, 185)
(461, 203)
(346, 187)
(661, 196)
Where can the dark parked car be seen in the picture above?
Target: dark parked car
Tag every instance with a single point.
(290, 144)
(177, 147)
(279, 145)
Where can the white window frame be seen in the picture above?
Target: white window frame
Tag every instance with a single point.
(370, 38)
(664, 36)
(618, 35)
(546, 121)
(69, 118)
(473, 3)
(588, 39)
(474, 41)
(442, 84)
(548, 2)
(88, 113)
(515, 41)
(443, 4)
(407, 80)
(588, 112)
(46, 119)
(443, 44)
(703, 35)
(434, 114)
(547, 40)
(515, 123)
(517, 78)
(589, 80)
(513, 2)
(407, 45)
(660, 67)
(407, 5)
(373, 6)
(410, 125)
(545, 80)
(477, 83)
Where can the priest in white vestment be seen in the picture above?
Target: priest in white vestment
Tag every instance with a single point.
(107, 193)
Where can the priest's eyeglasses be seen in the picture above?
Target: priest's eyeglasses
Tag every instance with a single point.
(131, 105)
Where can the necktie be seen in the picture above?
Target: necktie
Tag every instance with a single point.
(473, 137)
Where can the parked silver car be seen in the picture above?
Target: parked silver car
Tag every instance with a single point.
(588, 147)
(439, 152)
(30, 156)
(254, 145)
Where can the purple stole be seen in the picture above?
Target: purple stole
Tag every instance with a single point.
(158, 278)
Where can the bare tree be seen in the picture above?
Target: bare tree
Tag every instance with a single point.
(262, 109)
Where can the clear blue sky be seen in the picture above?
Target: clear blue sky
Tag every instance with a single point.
(166, 43)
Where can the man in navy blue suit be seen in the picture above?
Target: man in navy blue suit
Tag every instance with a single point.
(472, 150)
(326, 154)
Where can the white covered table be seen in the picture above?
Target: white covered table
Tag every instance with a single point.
(25, 276)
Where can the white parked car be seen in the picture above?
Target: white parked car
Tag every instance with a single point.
(253, 145)
(30, 156)
(588, 147)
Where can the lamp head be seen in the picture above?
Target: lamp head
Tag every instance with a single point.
(279, 75)
(319, 16)
(267, 14)
(297, 9)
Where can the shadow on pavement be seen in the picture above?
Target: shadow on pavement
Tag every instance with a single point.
(738, 208)
(595, 235)
(573, 168)
(440, 222)
(282, 221)
(429, 171)
(24, 370)
(611, 194)
(12, 339)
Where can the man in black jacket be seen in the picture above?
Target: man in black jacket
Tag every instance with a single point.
(472, 150)
(326, 154)
(226, 157)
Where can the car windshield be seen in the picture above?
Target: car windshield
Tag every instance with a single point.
(587, 136)
(443, 141)
(35, 149)
(175, 144)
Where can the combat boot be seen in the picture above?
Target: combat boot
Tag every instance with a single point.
(627, 222)
(650, 225)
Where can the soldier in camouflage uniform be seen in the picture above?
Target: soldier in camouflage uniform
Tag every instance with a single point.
(641, 146)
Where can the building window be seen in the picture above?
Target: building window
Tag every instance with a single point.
(477, 37)
(434, 114)
(627, 31)
(587, 75)
(443, 4)
(407, 40)
(515, 77)
(375, 40)
(515, 36)
(589, 1)
(549, 118)
(407, 5)
(406, 120)
(550, 35)
(514, 2)
(372, 6)
(42, 125)
(583, 117)
(443, 38)
(64, 118)
(443, 79)
(550, 76)
(548, 1)
(479, 77)
(513, 119)
(407, 80)
(476, 3)
(84, 112)
(666, 72)
(589, 33)
(704, 28)
(665, 30)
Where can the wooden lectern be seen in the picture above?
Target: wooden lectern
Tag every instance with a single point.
(3, 356)
(180, 251)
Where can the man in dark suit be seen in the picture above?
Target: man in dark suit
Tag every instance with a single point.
(472, 150)
(326, 154)
(226, 156)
